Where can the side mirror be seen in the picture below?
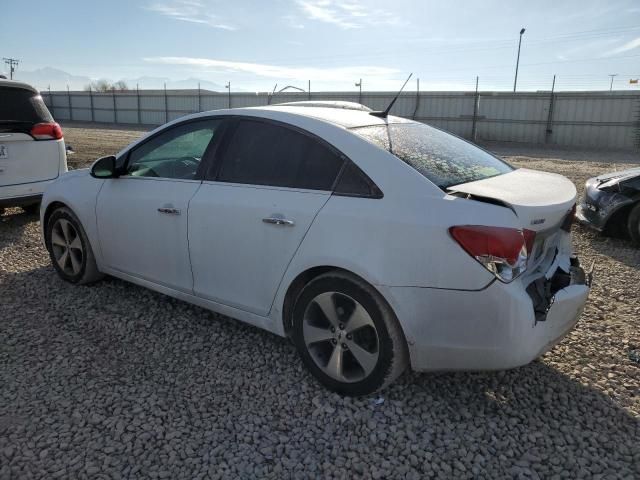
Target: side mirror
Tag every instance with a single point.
(104, 167)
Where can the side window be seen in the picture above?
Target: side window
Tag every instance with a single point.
(354, 183)
(175, 153)
(266, 154)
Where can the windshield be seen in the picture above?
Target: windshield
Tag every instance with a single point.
(444, 159)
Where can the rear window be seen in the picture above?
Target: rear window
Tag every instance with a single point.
(444, 159)
(18, 105)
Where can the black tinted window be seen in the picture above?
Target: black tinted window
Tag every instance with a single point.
(266, 154)
(354, 182)
(18, 105)
(444, 159)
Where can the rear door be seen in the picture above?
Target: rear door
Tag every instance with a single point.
(24, 159)
(254, 209)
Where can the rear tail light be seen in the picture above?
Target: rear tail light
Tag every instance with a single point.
(46, 131)
(529, 239)
(502, 251)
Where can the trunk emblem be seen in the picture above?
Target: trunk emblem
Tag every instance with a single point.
(538, 221)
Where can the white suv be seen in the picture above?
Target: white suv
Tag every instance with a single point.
(32, 150)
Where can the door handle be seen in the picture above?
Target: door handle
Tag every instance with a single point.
(279, 221)
(169, 210)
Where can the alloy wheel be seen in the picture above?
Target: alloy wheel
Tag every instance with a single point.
(67, 247)
(341, 337)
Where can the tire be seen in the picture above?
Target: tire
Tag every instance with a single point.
(633, 223)
(32, 209)
(358, 347)
(65, 233)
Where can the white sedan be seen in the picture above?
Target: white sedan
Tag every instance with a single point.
(372, 241)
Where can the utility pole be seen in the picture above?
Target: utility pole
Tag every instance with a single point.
(12, 63)
(552, 100)
(515, 80)
(228, 87)
(359, 85)
(474, 120)
(612, 75)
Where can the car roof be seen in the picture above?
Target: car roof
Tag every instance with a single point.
(326, 103)
(343, 117)
(16, 84)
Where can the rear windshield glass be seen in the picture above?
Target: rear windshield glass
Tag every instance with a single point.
(18, 105)
(444, 159)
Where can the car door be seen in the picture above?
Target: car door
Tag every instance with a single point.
(253, 210)
(142, 215)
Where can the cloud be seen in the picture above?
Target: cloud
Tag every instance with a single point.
(293, 21)
(347, 15)
(192, 11)
(635, 43)
(276, 71)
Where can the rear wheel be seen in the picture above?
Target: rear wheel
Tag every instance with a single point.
(633, 223)
(347, 335)
(69, 248)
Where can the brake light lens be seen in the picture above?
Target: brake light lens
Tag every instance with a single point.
(529, 239)
(46, 131)
(503, 251)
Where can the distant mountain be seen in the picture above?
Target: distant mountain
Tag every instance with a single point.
(48, 77)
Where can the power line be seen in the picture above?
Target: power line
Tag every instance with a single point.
(12, 63)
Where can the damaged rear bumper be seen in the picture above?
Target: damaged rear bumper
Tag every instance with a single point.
(500, 327)
(543, 290)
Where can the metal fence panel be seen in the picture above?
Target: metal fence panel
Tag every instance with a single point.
(591, 119)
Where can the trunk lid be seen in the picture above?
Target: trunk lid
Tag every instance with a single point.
(540, 200)
(24, 159)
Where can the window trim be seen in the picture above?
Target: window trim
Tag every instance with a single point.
(209, 168)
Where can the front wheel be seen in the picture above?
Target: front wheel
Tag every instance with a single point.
(347, 335)
(69, 248)
(633, 224)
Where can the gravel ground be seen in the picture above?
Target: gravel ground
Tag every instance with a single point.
(115, 381)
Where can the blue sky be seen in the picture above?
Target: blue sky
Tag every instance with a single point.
(255, 44)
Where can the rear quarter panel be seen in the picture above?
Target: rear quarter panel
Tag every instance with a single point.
(396, 241)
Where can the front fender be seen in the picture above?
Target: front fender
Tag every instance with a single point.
(78, 191)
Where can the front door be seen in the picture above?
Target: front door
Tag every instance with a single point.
(142, 215)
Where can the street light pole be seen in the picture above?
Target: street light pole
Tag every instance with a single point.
(515, 80)
(611, 85)
(359, 84)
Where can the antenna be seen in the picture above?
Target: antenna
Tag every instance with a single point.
(385, 113)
